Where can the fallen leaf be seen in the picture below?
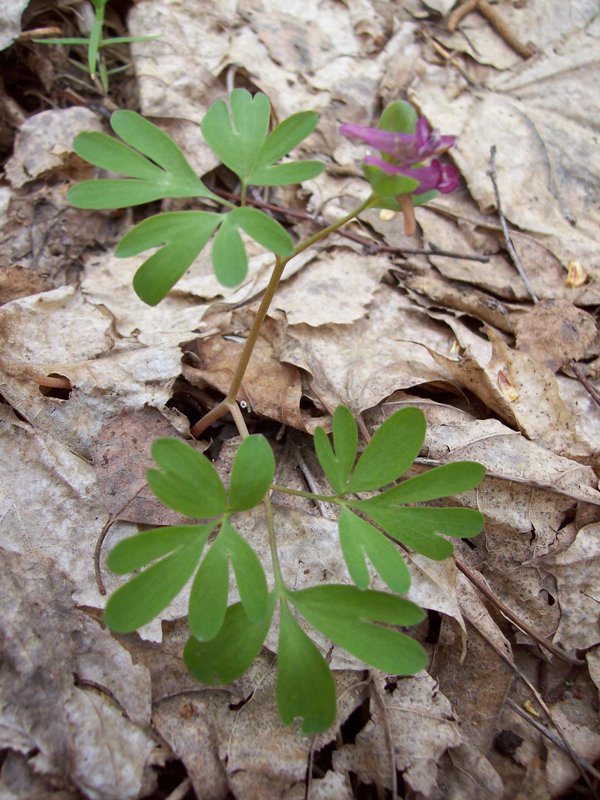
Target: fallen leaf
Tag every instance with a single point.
(554, 332)
(70, 733)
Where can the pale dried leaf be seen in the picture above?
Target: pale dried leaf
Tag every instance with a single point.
(45, 143)
(10, 12)
(78, 735)
(577, 571)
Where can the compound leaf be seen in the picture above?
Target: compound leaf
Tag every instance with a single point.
(155, 167)
(391, 451)
(137, 551)
(188, 482)
(181, 235)
(349, 616)
(252, 473)
(290, 172)
(228, 655)
(305, 686)
(360, 540)
(140, 600)
(286, 136)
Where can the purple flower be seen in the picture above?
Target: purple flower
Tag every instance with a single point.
(443, 177)
(406, 148)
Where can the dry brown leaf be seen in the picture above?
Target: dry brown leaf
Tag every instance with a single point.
(16, 282)
(547, 153)
(51, 505)
(422, 725)
(577, 572)
(561, 772)
(554, 332)
(270, 387)
(45, 143)
(524, 393)
(362, 364)
(77, 735)
(121, 456)
(337, 287)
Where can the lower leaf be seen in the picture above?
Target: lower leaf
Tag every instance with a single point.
(305, 686)
(226, 657)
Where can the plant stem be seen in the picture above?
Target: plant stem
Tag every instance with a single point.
(279, 582)
(280, 263)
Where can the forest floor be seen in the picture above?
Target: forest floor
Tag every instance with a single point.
(483, 320)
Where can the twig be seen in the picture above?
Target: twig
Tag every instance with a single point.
(103, 533)
(509, 245)
(549, 735)
(496, 21)
(388, 735)
(587, 384)
(373, 247)
(509, 614)
(540, 700)
(326, 509)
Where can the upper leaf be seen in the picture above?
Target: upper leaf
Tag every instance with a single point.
(188, 481)
(181, 235)
(252, 473)
(238, 135)
(154, 165)
(337, 462)
(449, 479)
(305, 686)
(391, 451)
(349, 616)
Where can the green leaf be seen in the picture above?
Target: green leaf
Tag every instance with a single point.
(249, 573)
(386, 186)
(286, 136)
(181, 235)
(166, 172)
(226, 657)
(449, 479)
(263, 229)
(418, 528)
(360, 540)
(305, 686)
(141, 599)
(252, 473)
(290, 172)
(236, 135)
(137, 551)
(348, 616)
(208, 597)
(229, 255)
(337, 465)
(399, 117)
(188, 482)
(391, 451)
(210, 589)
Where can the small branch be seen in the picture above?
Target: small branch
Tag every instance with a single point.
(372, 246)
(509, 245)
(585, 382)
(589, 768)
(496, 21)
(509, 614)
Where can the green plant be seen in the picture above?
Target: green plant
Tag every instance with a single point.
(94, 43)
(226, 637)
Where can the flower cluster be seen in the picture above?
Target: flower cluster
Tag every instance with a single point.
(405, 153)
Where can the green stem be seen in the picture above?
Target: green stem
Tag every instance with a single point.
(243, 194)
(279, 582)
(309, 495)
(280, 264)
